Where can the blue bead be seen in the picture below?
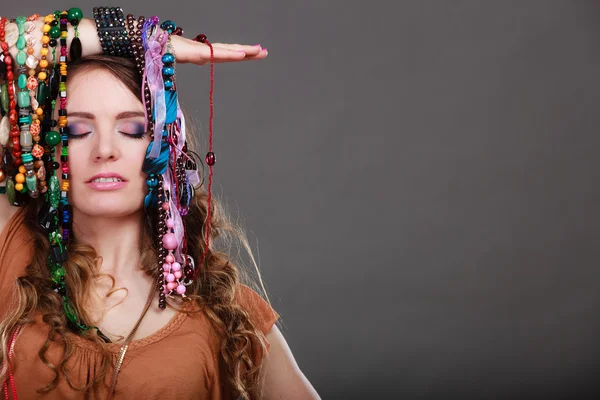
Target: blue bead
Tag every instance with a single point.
(168, 71)
(168, 26)
(152, 181)
(168, 58)
(168, 84)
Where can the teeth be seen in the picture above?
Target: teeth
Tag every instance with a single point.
(107, 180)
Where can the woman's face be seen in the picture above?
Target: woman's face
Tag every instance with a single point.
(107, 145)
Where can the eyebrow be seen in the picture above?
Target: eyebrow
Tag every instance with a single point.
(121, 115)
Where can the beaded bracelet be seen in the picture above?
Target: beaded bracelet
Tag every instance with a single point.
(112, 32)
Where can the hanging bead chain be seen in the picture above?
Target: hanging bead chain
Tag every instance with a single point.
(26, 179)
(36, 152)
(210, 156)
(8, 101)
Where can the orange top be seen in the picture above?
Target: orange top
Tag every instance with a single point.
(179, 361)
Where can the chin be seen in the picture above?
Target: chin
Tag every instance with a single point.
(108, 204)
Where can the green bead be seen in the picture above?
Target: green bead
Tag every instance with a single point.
(42, 93)
(21, 43)
(24, 100)
(10, 191)
(22, 81)
(54, 32)
(21, 57)
(31, 183)
(64, 151)
(69, 311)
(54, 190)
(53, 138)
(62, 86)
(74, 14)
(21, 20)
(4, 98)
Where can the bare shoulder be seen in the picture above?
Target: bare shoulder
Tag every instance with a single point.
(6, 211)
(282, 378)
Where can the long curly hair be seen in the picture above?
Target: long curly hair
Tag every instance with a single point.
(213, 291)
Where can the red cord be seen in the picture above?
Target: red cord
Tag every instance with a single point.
(11, 377)
(202, 38)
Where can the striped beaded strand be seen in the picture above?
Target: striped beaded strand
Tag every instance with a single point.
(63, 129)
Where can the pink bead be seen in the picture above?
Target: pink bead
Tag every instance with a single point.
(170, 223)
(176, 266)
(65, 170)
(165, 290)
(165, 206)
(169, 241)
(166, 267)
(177, 274)
(181, 289)
(165, 273)
(171, 285)
(170, 278)
(170, 259)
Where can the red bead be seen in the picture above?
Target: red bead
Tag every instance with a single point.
(210, 158)
(13, 103)
(7, 60)
(13, 117)
(16, 143)
(178, 31)
(200, 38)
(10, 76)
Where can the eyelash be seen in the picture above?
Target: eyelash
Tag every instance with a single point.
(130, 135)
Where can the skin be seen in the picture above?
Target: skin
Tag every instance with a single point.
(112, 221)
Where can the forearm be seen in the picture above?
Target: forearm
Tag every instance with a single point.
(88, 34)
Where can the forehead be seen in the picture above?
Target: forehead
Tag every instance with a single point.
(99, 92)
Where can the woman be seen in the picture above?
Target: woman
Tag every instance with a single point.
(220, 343)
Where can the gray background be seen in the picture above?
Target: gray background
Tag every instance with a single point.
(420, 181)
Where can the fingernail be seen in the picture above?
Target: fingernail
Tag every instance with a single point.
(256, 45)
(265, 49)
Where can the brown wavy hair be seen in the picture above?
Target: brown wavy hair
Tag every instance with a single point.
(243, 344)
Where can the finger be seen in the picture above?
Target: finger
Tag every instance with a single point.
(249, 50)
(189, 51)
(262, 55)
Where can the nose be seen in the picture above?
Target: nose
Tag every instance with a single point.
(105, 147)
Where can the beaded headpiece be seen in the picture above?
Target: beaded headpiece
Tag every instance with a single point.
(29, 139)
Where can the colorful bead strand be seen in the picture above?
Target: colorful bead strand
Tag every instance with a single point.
(13, 116)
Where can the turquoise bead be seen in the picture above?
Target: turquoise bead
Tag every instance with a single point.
(168, 84)
(22, 81)
(21, 43)
(26, 120)
(168, 71)
(31, 183)
(24, 100)
(21, 57)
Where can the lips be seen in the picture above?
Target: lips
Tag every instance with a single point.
(106, 175)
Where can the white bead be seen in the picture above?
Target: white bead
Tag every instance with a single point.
(11, 34)
(31, 62)
(4, 130)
